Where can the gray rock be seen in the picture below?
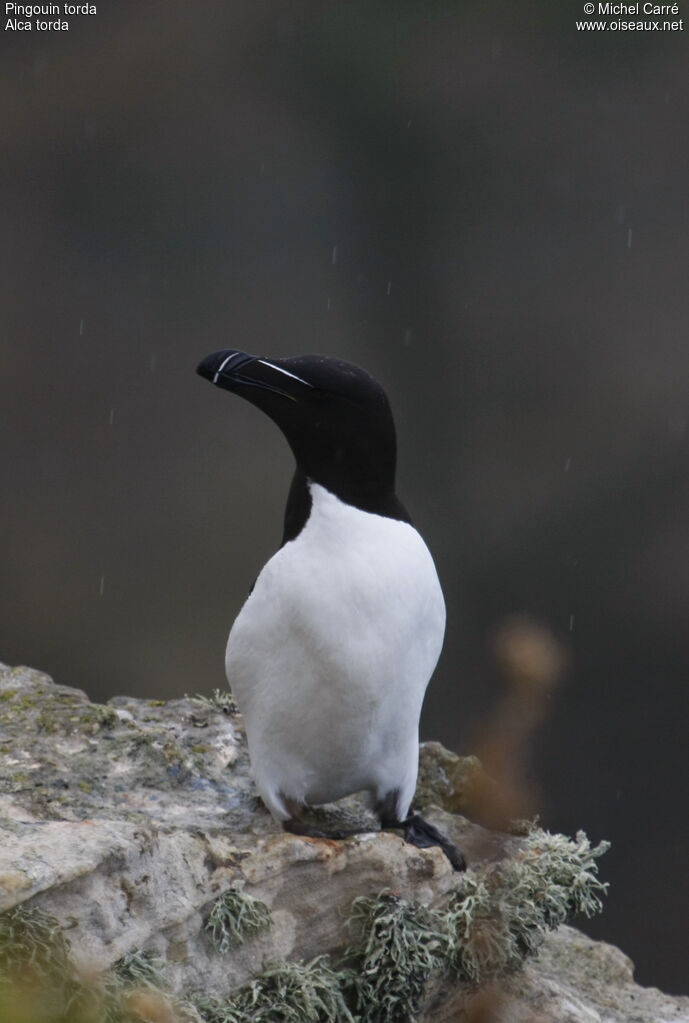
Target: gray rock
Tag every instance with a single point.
(128, 822)
(572, 980)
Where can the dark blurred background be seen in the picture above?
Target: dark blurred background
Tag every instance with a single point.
(482, 206)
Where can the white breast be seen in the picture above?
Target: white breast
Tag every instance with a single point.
(331, 654)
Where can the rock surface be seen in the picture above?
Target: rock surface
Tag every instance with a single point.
(126, 822)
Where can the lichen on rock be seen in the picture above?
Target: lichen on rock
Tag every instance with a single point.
(402, 946)
(287, 992)
(491, 921)
(33, 948)
(233, 916)
(41, 983)
(137, 827)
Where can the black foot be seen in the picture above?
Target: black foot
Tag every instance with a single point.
(299, 827)
(423, 835)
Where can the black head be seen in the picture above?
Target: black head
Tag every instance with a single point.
(335, 416)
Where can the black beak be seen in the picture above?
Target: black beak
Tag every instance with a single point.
(235, 371)
(224, 365)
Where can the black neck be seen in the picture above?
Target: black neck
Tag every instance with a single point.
(298, 506)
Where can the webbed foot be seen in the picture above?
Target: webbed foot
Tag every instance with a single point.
(423, 835)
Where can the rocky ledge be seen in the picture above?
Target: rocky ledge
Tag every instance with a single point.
(141, 879)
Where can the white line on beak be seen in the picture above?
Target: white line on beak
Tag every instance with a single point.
(286, 372)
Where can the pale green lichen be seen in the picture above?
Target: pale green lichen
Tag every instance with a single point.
(139, 968)
(39, 982)
(32, 943)
(552, 879)
(490, 924)
(504, 916)
(480, 947)
(220, 699)
(285, 993)
(233, 916)
(401, 946)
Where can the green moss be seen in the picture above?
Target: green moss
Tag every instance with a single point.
(65, 714)
(233, 916)
(107, 717)
(448, 780)
(45, 722)
(285, 993)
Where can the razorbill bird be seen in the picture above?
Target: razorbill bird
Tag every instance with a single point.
(331, 654)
